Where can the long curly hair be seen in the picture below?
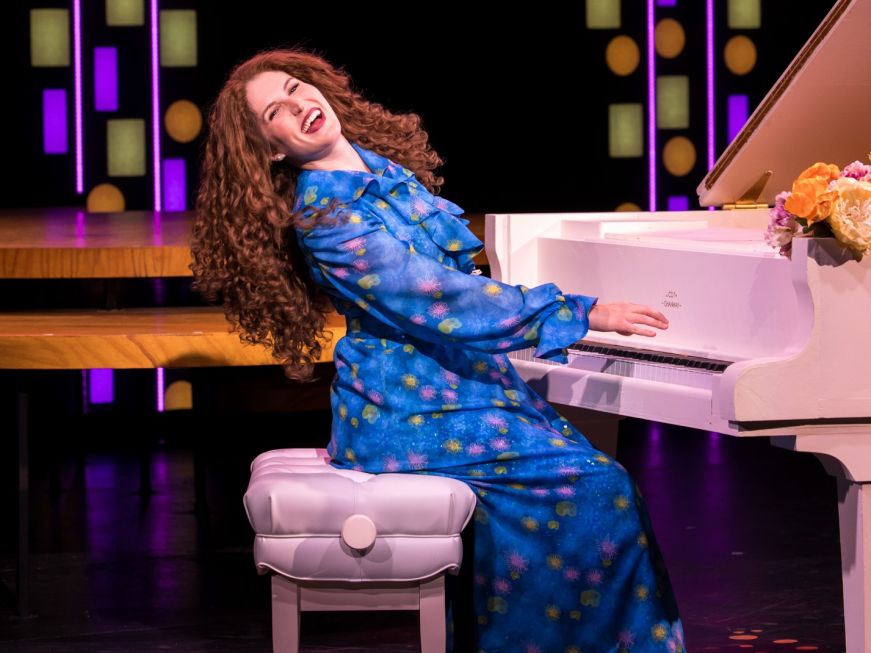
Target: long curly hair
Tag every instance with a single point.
(244, 251)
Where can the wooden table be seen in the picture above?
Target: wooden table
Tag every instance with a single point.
(69, 243)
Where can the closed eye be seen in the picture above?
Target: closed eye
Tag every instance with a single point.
(290, 90)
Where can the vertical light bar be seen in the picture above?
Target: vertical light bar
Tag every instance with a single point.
(54, 121)
(738, 109)
(101, 389)
(80, 228)
(77, 95)
(709, 55)
(174, 185)
(155, 119)
(106, 79)
(651, 105)
(160, 390)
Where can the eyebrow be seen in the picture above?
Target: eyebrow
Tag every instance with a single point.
(284, 88)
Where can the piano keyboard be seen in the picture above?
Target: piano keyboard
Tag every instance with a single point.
(651, 365)
(631, 353)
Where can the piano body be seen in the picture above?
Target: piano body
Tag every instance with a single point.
(758, 344)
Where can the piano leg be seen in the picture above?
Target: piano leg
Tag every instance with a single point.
(847, 456)
(854, 510)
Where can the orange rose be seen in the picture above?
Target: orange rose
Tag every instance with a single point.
(810, 197)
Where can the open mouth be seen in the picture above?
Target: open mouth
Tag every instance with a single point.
(313, 121)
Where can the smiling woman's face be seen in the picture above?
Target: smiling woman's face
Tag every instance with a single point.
(294, 117)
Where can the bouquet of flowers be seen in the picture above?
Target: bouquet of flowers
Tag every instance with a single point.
(825, 201)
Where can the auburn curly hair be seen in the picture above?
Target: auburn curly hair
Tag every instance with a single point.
(244, 251)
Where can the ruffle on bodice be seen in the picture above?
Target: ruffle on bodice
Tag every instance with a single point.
(391, 191)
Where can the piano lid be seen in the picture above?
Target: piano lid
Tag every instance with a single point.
(817, 111)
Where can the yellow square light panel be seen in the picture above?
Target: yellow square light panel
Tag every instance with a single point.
(178, 38)
(672, 102)
(49, 37)
(125, 143)
(625, 130)
(603, 14)
(744, 14)
(123, 13)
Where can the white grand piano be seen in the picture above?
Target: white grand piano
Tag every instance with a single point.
(758, 345)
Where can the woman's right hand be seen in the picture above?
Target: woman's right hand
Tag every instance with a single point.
(626, 319)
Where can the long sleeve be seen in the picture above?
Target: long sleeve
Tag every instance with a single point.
(414, 293)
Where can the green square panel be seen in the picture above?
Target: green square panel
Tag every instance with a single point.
(125, 145)
(178, 38)
(603, 14)
(49, 37)
(625, 130)
(121, 13)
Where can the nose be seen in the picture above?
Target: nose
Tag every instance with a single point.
(294, 105)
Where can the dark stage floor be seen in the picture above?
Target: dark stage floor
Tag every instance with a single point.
(749, 533)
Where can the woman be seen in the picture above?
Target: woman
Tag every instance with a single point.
(311, 194)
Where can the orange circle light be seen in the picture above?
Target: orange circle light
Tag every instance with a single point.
(622, 55)
(669, 38)
(183, 121)
(626, 207)
(679, 155)
(740, 55)
(105, 198)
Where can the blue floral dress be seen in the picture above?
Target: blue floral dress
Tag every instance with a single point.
(564, 557)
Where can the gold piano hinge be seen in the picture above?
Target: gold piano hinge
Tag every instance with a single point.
(750, 198)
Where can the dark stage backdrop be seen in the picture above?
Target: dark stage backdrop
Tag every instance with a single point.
(515, 99)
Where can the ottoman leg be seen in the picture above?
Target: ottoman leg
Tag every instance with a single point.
(432, 615)
(285, 615)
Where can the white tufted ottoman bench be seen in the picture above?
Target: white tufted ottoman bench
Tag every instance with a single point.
(336, 539)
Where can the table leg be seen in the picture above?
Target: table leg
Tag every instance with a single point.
(22, 588)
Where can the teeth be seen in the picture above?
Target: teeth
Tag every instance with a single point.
(312, 117)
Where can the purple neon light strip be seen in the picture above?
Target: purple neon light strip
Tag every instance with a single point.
(666, 3)
(174, 185)
(651, 106)
(77, 95)
(160, 390)
(155, 103)
(709, 47)
(106, 79)
(101, 389)
(54, 121)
